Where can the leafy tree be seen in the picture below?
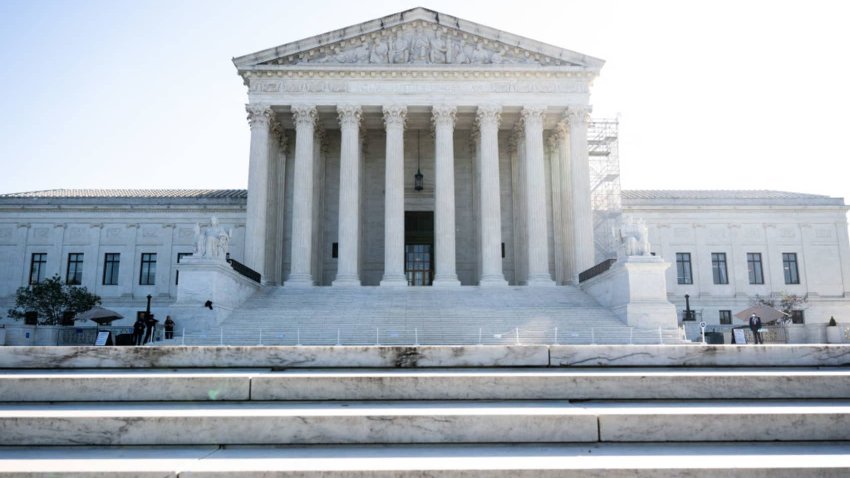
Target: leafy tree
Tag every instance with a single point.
(51, 299)
(782, 301)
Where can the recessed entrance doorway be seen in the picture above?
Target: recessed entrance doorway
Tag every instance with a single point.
(419, 247)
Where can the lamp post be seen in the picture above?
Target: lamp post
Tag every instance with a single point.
(148, 308)
(687, 307)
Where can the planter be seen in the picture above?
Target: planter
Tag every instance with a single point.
(835, 334)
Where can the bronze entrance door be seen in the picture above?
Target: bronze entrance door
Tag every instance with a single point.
(419, 247)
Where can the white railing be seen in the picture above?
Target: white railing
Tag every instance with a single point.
(353, 335)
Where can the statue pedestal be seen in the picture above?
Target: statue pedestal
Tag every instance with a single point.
(205, 279)
(635, 289)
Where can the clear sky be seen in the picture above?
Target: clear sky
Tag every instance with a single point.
(710, 94)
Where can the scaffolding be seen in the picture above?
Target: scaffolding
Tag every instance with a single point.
(604, 159)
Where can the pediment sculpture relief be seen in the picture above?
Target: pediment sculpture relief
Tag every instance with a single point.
(420, 45)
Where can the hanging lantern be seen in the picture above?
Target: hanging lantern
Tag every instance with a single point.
(418, 178)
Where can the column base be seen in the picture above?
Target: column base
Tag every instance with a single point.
(346, 282)
(494, 281)
(446, 281)
(543, 281)
(394, 281)
(305, 280)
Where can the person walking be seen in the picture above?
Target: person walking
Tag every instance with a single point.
(138, 331)
(755, 326)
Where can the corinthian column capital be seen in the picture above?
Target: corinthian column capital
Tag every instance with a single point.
(349, 115)
(533, 116)
(578, 114)
(259, 115)
(394, 115)
(444, 115)
(488, 116)
(304, 115)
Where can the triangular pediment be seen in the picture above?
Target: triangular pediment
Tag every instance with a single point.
(416, 37)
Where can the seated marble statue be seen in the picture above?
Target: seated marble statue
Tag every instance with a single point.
(212, 241)
(634, 238)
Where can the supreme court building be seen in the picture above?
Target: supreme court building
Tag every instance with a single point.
(342, 124)
(421, 149)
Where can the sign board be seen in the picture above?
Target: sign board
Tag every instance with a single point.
(103, 338)
(740, 336)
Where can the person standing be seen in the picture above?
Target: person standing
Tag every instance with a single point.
(755, 326)
(138, 331)
(169, 327)
(150, 325)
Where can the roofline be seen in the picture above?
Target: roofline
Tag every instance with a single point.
(418, 13)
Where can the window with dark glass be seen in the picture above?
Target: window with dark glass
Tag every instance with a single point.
(797, 317)
(147, 272)
(683, 268)
(74, 272)
(111, 261)
(180, 255)
(754, 267)
(789, 265)
(718, 267)
(38, 267)
(725, 317)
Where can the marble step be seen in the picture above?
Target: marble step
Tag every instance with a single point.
(421, 384)
(302, 423)
(601, 460)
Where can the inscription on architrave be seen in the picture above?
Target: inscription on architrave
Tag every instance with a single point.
(413, 86)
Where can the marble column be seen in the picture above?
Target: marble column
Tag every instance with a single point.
(349, 196)
(490, 210)
(259, 117)
(553, 158)
(444, 197)
(394, 117)
(567, 234)
(535, 196)
(300, 273)
(580, 170)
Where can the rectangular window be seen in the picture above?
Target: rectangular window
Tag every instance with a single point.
(180, 255)
(789, 265)
(797, 317)
(147, 273)
(111, 261)
(754, 268)
(683, 268)
(725, 317)
(718, 267)
(38, 267)
(74, 273)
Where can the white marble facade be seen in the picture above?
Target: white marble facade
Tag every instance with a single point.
(341, 122)
(497, 125)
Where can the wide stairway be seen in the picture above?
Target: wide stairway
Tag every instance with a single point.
(491, 411)
(425, 315)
